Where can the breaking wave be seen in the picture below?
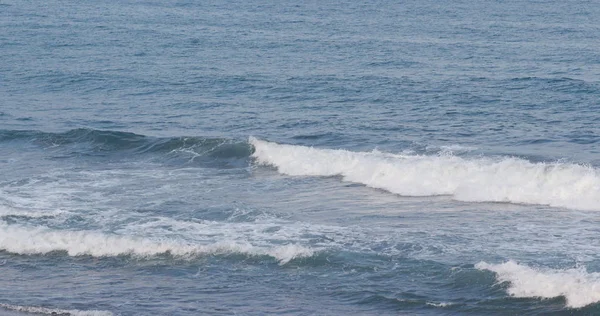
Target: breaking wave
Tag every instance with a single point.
(53, 311)
(506, 179)
(579, 287)
(27, 241)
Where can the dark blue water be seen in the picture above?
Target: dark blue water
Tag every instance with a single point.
(186, 158)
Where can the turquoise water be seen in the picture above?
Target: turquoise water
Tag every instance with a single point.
(185, 158)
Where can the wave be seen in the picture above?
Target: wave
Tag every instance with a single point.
(440, 304)
(579, 287)
(27, 241)
(564, 84)
(54, 311)
(9, 212)
(80, 135)
(90, 141)
(505, 179)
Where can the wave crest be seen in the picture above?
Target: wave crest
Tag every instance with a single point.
(86, 141)
(54, 311)
(506, 179)
(579, 287)
(27, 241)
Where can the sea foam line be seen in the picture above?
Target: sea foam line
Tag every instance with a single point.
(27, 240)
(505, 179)
(54, 311)
(579, 287)
(6, 212)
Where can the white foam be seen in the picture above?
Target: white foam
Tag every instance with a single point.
(37, 240)
(10, 211)
(505, 179)
(441, 304)
(286, 253)
(54, 311)
(450, 149)
(579, 287)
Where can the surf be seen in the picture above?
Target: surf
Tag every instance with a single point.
(579, 287)
(477, 179)
(23, 240)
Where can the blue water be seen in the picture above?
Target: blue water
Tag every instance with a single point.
(331, 157)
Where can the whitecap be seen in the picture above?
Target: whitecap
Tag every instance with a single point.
(506, 179)
(579, 287)
(39, 240)
(54, 311)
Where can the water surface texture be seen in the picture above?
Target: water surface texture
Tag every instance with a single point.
(314, 158)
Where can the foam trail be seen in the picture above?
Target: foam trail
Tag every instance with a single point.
(6, 211)
(579, 287)
(26, 240)
(441, 304)
(476, 180)
(53, 311)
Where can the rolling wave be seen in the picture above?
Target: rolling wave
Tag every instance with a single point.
(54, 311)
(28, 241)
(93, 142)
(506, 179)
(579, 287)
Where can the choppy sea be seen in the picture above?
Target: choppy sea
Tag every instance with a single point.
(299, 158)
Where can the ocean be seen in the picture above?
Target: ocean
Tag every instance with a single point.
(331, 157)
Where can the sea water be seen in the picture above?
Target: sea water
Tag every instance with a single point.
(299, 158)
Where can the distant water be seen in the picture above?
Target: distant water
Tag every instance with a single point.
(314, 158)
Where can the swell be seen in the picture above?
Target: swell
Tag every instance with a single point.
(481, 179)
(564, 84)
(83, 141)
(39, 240)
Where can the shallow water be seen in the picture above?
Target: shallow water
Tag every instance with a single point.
(182, 158)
